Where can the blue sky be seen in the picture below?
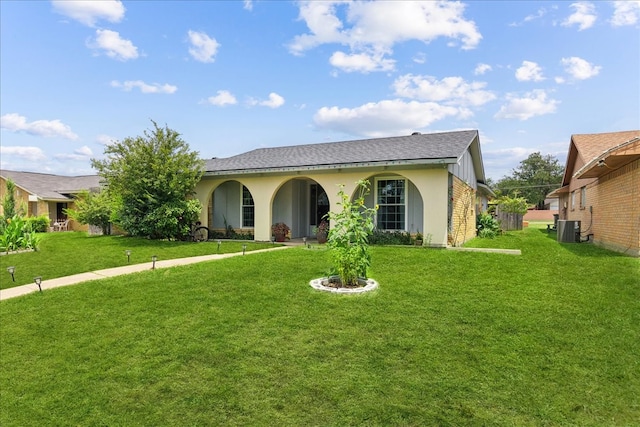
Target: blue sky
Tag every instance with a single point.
(239, 75)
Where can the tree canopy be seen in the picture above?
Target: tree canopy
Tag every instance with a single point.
(151, 181)
(533, 179)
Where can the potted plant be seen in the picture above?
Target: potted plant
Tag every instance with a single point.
(280, 231)
(419, 239)
(322, 231)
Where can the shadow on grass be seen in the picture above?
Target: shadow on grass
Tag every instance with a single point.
(582, 249)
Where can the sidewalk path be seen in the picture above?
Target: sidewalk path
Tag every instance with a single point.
(117, 271)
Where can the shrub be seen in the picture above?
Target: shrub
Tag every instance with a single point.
(17, 235)
(39, 224)
(348, 237)
(487, 226)
(381, 237)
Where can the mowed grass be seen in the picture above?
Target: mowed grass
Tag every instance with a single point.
(551, 337)
(64, 254)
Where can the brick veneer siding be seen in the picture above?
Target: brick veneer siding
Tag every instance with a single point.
(615, 199)
(463, 195)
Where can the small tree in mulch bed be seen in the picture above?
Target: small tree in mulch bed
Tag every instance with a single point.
(349, 236)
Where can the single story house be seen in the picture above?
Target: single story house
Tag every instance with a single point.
(429, 183)
(46, 194)
(601, 189)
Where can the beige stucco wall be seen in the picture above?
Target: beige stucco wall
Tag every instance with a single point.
(431, 183)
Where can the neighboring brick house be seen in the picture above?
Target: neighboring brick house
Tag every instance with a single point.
(46, 194)
(601, 188)
(431, 183)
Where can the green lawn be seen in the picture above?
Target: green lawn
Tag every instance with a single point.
(551, 337)
(64, 254)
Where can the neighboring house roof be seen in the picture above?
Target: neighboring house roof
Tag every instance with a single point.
(597, 150)
(51, 187)
(433, 148)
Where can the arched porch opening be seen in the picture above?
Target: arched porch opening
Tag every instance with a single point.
(231, 208)
(301, 203)
(400, 204)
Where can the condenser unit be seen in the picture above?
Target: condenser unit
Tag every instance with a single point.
(568, 231)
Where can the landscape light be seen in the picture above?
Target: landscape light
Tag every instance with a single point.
(304, 241)
(219, 243)
(11, 270)
(128, 254)
(244, 248)
(38, 281)
(154, 258)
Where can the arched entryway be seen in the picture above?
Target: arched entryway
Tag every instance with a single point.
(400, 204)
(301, 203)
(231, 205)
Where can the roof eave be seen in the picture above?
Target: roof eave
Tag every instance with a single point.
(335, 166)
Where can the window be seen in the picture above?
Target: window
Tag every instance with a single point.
(248, 209)
(390, 197)
(583, 197)
(573, 200)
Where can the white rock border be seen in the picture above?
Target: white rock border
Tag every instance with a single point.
(317, 284)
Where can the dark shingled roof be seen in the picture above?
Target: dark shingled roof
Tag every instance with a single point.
(51, 187)
(411, 148)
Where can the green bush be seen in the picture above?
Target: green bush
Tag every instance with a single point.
(349, 236)
(39, 223)
(17, 234)
(381, 237)
(487, 226)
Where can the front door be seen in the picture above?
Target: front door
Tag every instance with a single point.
(319, 205)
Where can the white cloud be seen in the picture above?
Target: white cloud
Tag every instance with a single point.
(538, 15)
(224, 97)
(529, 71)
(451, 90)
(274, 101)
(362, 62)
(32, 154)
(625, 13)
(584, 16)
(420, 58)
(113, 45)
(375, 27)
(81, 154)
(88, 12)
(47, 128)
(248, 5)
(388, 117)
(144, 87)
(534, 103)
(481, 69)
(203, 48)
(103, 139)
(580, 69)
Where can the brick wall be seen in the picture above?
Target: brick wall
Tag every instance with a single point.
(463, 221)
(612, 210)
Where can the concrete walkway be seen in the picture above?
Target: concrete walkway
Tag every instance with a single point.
(117, 271)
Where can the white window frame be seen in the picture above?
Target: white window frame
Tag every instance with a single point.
(242, 206)
(406, 197)
(573, 200)
(583, 198)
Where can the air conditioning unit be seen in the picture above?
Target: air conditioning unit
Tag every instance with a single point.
(568, 231)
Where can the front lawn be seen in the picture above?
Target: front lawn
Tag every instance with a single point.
(550, 337)
(64, 254)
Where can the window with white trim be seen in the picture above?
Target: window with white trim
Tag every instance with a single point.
(583, 197)
(391, 201)
(573, 200)
(248, 208)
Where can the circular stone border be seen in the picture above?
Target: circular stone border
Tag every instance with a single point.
(318, 285)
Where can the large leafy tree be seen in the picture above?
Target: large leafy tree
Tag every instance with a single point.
(151, 180)
(533, 179)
